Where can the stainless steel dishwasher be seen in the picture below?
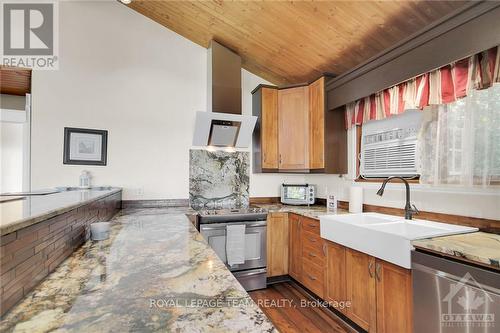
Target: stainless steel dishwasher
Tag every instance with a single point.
(451, 296)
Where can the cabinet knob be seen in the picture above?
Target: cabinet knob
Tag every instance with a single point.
(312, 254)
(311, 277)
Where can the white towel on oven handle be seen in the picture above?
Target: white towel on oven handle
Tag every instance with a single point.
(235, 244)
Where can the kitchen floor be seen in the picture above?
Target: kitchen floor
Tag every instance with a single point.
(281, 302)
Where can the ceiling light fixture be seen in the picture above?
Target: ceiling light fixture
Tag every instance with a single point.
(125, 2)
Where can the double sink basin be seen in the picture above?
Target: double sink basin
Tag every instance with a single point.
(383, 236)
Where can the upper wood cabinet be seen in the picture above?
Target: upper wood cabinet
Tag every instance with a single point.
(265, 136)
(277, 244)
(317, 124)
(295, 132)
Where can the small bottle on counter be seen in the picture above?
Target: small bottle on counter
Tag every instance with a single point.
(85, 179)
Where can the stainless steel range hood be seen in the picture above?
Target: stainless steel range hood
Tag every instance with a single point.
(223, 125)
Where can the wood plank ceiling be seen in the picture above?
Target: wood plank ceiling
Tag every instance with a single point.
(15, 81)
(296, 41)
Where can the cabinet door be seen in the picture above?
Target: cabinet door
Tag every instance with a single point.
(293, 136)
(269, 129)
(335, 285)
(361, 289)
(317, 124)
(277, 244)
(394, 298)
(295, 247)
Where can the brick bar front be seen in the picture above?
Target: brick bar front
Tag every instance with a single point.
(28, 255)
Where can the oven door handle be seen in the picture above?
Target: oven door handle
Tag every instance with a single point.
(203, 227)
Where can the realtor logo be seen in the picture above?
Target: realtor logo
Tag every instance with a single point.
(467, 304)
(29, 33)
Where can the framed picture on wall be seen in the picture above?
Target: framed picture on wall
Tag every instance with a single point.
(83, 146)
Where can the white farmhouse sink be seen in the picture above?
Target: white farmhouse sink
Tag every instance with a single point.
(383, 236)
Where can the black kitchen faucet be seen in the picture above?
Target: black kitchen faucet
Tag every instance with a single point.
(409, 208)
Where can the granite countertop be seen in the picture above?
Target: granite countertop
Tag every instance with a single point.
(33, 209)
(478, 247)
(155, 273)
(314, 211)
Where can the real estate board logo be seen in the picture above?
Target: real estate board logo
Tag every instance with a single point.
(29, 33)
(467, 305)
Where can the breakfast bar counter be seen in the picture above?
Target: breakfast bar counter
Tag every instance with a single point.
(24, 212)
(154, 273)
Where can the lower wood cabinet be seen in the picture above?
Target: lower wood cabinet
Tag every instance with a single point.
(380, 293)
(295, 247)
(335, 283)
(361, 289)
(277, 244)
(394, 298)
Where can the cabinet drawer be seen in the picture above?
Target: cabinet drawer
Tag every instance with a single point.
(313, 277)
(310, 225)
(312, 240)
(313, 255)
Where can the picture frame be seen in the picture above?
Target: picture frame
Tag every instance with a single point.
(83, 146)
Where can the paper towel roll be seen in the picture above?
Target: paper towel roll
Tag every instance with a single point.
(356, 199)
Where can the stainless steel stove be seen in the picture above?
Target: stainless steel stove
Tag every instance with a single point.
(252, 274)
(232, 215)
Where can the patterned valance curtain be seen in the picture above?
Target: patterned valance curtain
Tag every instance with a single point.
(441, 86)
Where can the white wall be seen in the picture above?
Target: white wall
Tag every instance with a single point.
(122, 72)
(11, 157)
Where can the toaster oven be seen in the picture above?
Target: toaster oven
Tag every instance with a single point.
(297, 194)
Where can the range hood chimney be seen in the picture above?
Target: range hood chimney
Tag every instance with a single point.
(223, 125)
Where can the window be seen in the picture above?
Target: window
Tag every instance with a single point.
(459, 142)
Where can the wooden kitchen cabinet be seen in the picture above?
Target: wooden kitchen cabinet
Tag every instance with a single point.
(295, 132)
(277, 244)
(380, 293)
(313, 256)
(293, 129)
(265, 136)
(295, 247)
(394, 298)
(361, 289)
(335, 283)
(317, 124)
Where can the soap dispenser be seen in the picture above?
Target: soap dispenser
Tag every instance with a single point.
(85, 179)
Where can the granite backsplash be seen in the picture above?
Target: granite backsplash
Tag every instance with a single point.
(218, 179)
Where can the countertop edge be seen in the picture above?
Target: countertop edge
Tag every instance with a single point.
(455, 252)
(26, 222)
